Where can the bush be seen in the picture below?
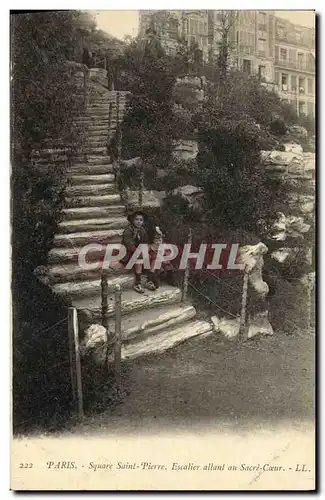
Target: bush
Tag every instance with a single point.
(278, 127)
(238, 192)
(45, 102)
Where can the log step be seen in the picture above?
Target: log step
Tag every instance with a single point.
(93, 151)
(92, 179)
(93, 201)
(165, 340)
(84, 238)
(138, 325)
(65, 272)
(93, 287)
(71, 255)
(84, 189)
(91, 168)
(131, 301)
(71, 226)
(91, 212)
(92, 159)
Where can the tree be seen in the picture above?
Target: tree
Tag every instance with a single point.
(44, 103)
(227, 20)
(148, 127)
(239, 192)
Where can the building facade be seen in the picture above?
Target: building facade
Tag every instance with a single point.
(280, 52)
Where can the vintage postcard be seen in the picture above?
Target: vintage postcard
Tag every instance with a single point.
(163, 250)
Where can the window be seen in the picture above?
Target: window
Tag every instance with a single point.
(283, 54)
(261, 72)
(261, 20)
(298, 36)
(293, 83)
(284, 82)
(247, 66)
(310, 86)
(302, 108)
(261, 45)
(237, 37)
(310, 108)
(300, 60)
(280, 31)
(302, 85)
(251, 39)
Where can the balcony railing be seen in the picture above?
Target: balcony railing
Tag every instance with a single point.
(295, 64)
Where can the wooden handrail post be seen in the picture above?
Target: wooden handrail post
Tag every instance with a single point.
(242, 334)
(75, 366)
(110, 111)
(187, 271)
(104, 297)
(141, 189)
(118, 338)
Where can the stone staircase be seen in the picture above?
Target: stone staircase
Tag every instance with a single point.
(94, 213)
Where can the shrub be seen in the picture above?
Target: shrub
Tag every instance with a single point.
(278, 127)
(45, 101)
(238, 192)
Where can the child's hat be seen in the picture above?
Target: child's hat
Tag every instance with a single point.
(131, 216)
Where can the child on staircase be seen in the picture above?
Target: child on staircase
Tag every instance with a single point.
(134, 235)
(143, 231)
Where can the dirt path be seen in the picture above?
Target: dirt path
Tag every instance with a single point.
(266, 381)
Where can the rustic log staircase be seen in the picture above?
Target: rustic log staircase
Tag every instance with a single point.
(94, 213)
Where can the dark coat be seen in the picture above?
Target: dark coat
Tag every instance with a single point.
(131, 238)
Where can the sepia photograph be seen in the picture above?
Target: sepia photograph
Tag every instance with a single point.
(162, 184)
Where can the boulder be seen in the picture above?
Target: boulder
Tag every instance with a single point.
(185, 150)
(192, 194)
(251, 256)
(94, 344)
(229, 328)
(281, 254)
(289, 226)
(305, 203)
(293, 147)
(282, 158)
(297, 130)
(259, 325)
(150, 199)
(133, 162)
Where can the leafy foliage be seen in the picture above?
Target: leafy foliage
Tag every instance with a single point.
(239, 193)
(45, 101)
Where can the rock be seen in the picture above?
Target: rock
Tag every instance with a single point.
(305, 203)
(185, 150)
(95, 334)
(297, 130)
(192, 194)
(259, 325)
(149, 199)
(229, 328)
(133, 162)
(289, 226)
(252, 257)
(293, 147)
(94, 344)
(282, 158)
(216, 322)
(308, 280)
(281, 254)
